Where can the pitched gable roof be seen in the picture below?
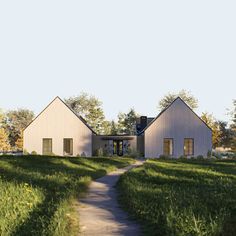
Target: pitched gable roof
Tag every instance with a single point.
(178, 98)
(79, 117)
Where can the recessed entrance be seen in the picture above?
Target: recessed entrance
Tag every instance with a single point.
(118, 147)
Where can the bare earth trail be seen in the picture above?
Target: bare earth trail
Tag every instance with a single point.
(99, 211)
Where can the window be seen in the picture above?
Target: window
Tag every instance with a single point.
(188, 146)
(68, 146)
(168, 147)
(47, 146)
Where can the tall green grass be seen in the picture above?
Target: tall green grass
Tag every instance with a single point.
(182, 197)
(37, 194)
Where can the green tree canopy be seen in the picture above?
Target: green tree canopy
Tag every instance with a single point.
(233, 127)
(114, 128)
(15, 121)
(90, 108)
(214, 125)
(4, 143)
(1, 117)
(185, 95)
(226, 135)
(127, 122)
(109, 128)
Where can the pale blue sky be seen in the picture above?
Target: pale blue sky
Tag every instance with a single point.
(127, 53)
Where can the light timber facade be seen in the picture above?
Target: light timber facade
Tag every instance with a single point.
(176, 131)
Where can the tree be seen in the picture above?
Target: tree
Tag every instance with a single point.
(114, 128)
(233, 127)
(4, 144)
(213, 124)
(1, 117)
(19, 142)
(90, 108)
(185, 95)
(106, 127)
(15, 121)
(226, 135)
(127, 122)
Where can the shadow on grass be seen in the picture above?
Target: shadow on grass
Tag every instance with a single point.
(41, 172)
(159, 189)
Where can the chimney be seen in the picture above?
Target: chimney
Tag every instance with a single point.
(141, 123)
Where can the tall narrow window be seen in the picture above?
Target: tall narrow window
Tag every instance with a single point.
(47, 146)
(68, 146)
(188, 146)
(168, 147)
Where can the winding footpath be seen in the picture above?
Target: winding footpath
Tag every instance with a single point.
(99, 211)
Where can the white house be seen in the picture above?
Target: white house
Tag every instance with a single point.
(176, 131)
(58, 130)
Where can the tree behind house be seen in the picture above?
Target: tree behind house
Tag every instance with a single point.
(213, 124)
(4, 144)
(19, 142)
(109, 128)
(183, 94)
(14, 123)
(90, 108)
(114, 128)
(233, 127)
(226, 135)
(127, 122)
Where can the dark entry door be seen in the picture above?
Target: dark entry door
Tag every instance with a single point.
(118, 147)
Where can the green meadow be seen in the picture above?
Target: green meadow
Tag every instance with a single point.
(182, 197)
(38, 194)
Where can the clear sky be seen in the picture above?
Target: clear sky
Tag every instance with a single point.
(127, 53)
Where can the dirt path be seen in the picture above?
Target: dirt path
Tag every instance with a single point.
(99, 211)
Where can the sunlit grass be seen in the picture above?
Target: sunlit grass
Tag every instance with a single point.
(186, 197)
(37, 194)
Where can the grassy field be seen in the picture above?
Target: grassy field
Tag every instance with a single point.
(37, 194)
(184, 197)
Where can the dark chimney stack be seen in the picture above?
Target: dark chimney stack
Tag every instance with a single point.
(141, 123)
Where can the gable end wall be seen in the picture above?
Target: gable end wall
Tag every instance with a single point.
(177, 122)
(57, 121)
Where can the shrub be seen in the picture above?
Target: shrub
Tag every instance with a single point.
(200, 157)
(34, 153)
(164, 157)
(132, 153)
(51, 154)
(99, 152)
(25, 152)
(217, 155)
(83, 154)
(209, 153)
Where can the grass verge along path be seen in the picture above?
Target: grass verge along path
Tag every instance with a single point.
(182, 197)
(37, 193)
(100, 213)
